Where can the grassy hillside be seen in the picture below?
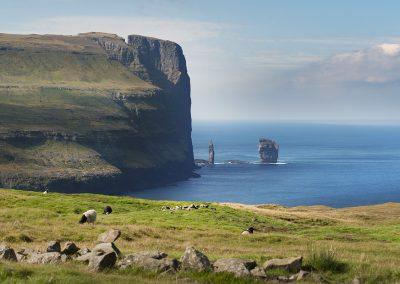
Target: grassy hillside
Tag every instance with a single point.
(361, 241)
(72, 113)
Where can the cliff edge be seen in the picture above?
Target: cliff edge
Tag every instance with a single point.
(93, 112)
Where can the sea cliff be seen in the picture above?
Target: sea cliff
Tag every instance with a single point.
(93, 112)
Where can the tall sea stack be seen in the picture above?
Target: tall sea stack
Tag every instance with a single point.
(211, 153)
(268, 150)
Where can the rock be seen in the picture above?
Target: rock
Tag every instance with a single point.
(46, 258)
(109, 236)
(150, 260)
(100, 260)
(7, 253)
(268, 150)
(211, 153)
(83, 251)
(291, 264)
(302, 275)
(193, 259)
(258, 272)
(106, 247)
(70, 248)
(84, 258)
(53, 246)
(356, 280)
(239, 267)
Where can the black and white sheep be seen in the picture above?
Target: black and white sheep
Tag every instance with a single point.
(88, 217)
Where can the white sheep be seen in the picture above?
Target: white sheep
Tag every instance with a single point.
(88, 217)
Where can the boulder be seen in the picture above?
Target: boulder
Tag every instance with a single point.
(83, 251)
(7, 253)
(258, 272)
(84, 258)
(53, 246)
(239, 267)
(290, 264)
(100, 260)
(150, 260)
(70, 248)
(193, 259)
(302, 275)
(107, 247)
(109, 236)
(46, 258)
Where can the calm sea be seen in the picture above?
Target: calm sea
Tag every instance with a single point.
(330, 165)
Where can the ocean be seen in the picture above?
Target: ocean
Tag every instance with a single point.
(333, 165)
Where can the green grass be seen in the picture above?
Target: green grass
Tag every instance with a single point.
(30, 220)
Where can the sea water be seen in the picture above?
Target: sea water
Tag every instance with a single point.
(333, 165)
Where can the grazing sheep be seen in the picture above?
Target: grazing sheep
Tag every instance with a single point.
(248, 231)
(88, 217)
(107, 210)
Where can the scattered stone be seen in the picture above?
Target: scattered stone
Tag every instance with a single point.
(100, 260)
(150, 260)
(258, 272)
(46, 258)
(70, 248)
(302, 275)
(109, 236)
(106, 247)
(7, 253)
(291, 264)
(83, 251)
(239, 267)
(54, 246)
(193, 259)
(84, 258)
(187, 207)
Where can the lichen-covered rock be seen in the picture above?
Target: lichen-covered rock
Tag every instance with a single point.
(239, 267)
(53, 246)
(109, 236)
(106, 247)
(258, 272)
(46, 258)
(7, 253)
(149, 260)
(290, 264)
(193, 259)
(268, 150)
(100, 260)
(69, 248)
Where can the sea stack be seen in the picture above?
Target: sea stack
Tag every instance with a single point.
(268, 150)
(211, 153)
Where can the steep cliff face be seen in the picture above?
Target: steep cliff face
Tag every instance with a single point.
(92, 112)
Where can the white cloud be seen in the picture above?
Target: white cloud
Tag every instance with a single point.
(378, 64)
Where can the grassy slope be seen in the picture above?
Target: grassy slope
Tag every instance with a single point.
(366, 239)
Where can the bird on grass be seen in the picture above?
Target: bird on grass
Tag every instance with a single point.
(107, 210)
(88, 217)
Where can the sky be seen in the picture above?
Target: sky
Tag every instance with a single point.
(305, 60)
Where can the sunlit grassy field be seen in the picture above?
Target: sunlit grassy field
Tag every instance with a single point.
(364, 241)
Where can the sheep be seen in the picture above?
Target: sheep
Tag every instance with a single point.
(107, 210)
(88, 217)
(248, 231)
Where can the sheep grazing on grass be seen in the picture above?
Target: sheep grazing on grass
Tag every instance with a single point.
(107, 210)
(88, 217)
(248, 231)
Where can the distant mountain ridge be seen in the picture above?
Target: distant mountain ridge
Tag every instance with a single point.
(92, 112)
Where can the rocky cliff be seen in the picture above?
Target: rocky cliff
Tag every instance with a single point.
(92, 112)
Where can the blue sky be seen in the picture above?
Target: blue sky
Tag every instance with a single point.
(256, 60)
